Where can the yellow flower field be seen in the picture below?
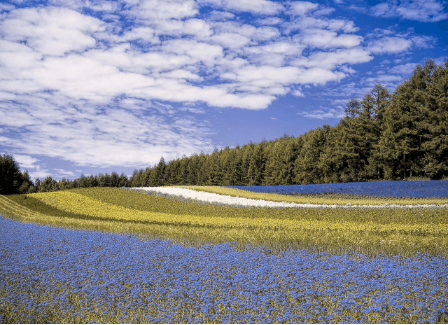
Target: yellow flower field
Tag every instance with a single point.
(73, 202)
(371, 231)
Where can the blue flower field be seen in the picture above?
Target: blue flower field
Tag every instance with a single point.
(417, 189)
(53, 274)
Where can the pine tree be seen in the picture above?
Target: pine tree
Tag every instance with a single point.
(348, 149)
(256, 166)
(123, 182)
(214, 169)
(161, 172)
(381, 100)
(330, 162)
(306, 167)
(287, 161)
(435, 146)
(404, 129)
(272, 170)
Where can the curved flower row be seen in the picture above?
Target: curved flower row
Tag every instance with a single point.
(195, 193)
(73, 202)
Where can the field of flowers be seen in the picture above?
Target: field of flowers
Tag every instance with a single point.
(403, 189)
(57, 275)
(174, 255)
(319, 198)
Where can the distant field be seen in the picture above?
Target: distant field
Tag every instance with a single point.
(288, 194)
(397, 189)
(147, 256)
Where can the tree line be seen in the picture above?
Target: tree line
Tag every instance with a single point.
(382, 137)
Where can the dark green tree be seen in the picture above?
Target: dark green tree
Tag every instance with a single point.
(256, 166)
(11, 179)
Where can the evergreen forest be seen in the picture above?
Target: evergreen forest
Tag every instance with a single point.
(384, 136)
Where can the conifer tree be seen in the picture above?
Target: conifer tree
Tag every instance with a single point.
(380, 101)
(404, 128)
(158, 175)
(307, 169)
(247, 151)
(123, 182)
(348, 145)
(330, 162)
(435, 146)
(273, 168)
(256, 166)
(287, 160)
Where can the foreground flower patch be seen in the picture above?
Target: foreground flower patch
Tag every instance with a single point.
(58, 275)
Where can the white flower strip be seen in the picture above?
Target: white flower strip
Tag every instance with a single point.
(239, 201)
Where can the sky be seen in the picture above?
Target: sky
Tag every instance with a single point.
(93, 86)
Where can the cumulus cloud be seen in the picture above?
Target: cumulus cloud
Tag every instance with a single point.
(390, 45)
(419, 10)
(254, 6)
(325, 39)
(26, 161)
(50, 31)
(301, 8)
(336, 58)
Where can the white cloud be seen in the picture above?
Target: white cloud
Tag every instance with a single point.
(40, 173)
(419, 10)
(25, 161)
(50, 31)
(254, 6)
(6, 7)
(403, 69)
(62, 172)
(298, 93)
(301, 8)
(231, 40)
(381, 9)
(321, 114)
(389, 45)
(269, 21)
(310, 22)
(145, 34)
(333, 59)
(155, 10)
(113, 137)
(325, 39)
(423, 42)
(217, 15)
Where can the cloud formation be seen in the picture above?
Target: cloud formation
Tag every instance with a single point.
(102, 83)
(419, 10)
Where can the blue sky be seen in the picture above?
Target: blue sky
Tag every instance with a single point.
(89, 87)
